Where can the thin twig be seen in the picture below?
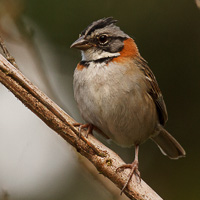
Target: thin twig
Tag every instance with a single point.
(104, 159)
(105, 183)
(7, 54)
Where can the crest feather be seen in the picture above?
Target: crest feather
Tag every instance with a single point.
(101, 23)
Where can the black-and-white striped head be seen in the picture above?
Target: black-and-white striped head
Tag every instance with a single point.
(101, 39)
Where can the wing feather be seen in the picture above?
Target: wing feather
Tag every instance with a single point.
(154, 91)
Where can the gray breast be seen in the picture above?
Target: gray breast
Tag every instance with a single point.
(116, 101)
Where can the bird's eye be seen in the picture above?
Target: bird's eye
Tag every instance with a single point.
(103, 39)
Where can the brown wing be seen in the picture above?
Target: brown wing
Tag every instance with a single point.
(154, 91)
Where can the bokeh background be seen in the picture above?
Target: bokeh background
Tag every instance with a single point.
(37, 164)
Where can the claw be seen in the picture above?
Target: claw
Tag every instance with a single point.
(88, 126)
(133, 167)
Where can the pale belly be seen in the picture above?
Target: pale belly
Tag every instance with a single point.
(120, 110)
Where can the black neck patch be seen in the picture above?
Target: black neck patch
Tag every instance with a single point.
(86, 63)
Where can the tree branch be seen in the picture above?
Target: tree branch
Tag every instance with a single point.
(104, 159)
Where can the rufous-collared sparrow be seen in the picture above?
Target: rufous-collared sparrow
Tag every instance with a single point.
(118, 94)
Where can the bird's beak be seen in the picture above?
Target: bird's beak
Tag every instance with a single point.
(82, 44)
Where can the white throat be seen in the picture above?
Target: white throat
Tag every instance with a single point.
(95, 54)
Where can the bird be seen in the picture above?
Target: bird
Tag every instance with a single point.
(117, 93)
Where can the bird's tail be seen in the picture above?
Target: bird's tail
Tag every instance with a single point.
(168, 144)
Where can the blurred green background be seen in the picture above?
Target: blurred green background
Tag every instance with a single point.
(168, 36)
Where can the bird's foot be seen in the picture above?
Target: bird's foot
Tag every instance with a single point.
(87, 126)
(134, 169)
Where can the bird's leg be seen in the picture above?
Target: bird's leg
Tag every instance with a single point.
(88, 126)
(133, 167)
